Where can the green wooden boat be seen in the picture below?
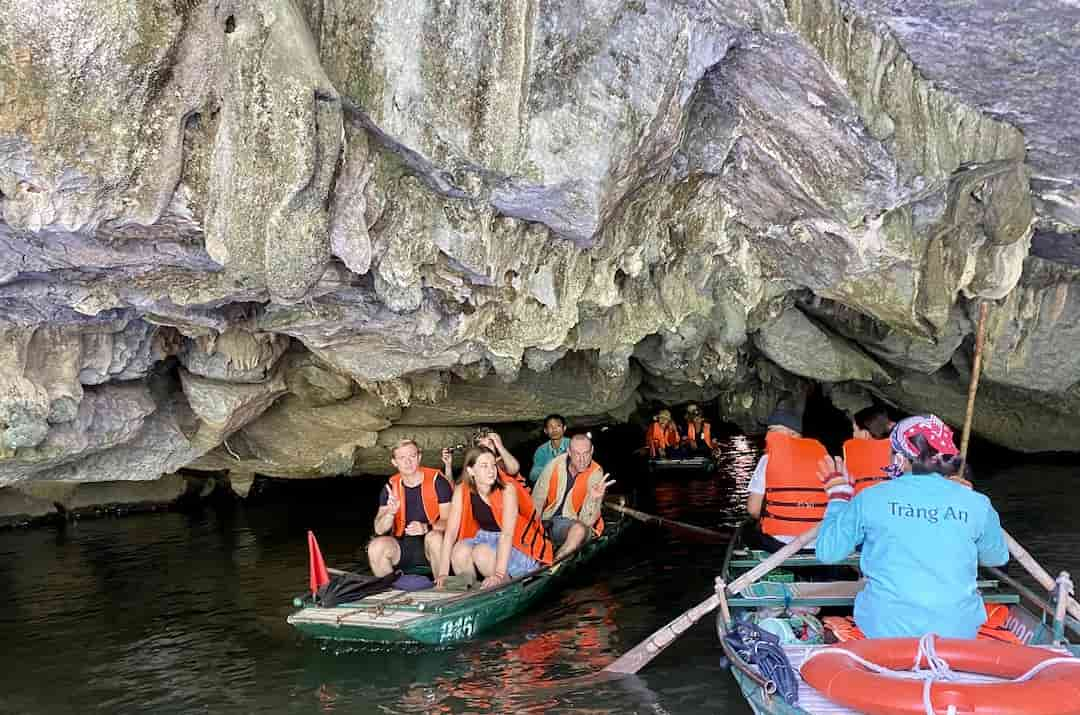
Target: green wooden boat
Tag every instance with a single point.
(442, 618)
(1030, 618)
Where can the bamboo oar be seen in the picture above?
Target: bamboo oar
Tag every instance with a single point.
(639, 656)
(1018, 552)
(1039, 573)
(973, 386)
(739, 585)
(712, 535)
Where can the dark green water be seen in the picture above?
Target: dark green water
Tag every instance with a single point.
(185, 612)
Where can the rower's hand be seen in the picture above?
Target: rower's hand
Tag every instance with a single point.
(440, 582)
(663, 453)
(596, 491)
(832, 472)
(416, 528)
(448, 458)
(493, 581)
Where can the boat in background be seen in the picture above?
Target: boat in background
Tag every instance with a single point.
(701, 465)
(788, 604)
(444, 617)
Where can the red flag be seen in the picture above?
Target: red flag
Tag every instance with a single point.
(317, 567)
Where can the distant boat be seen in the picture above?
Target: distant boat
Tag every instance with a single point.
(659, 465)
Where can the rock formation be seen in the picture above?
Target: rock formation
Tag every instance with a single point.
(274, 236)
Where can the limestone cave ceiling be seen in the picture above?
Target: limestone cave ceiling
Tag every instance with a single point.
(274, 236)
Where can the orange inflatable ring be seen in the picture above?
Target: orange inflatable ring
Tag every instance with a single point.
(1054, 690)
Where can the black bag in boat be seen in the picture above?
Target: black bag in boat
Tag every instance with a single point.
(349, 587)
(763, 649)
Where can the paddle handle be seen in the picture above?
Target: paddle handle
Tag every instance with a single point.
(773, 561)
(1039, 573)
(973, 386)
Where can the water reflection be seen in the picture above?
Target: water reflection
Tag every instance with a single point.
(179, 613)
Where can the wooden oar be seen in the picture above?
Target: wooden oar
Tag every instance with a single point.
(1039, 573)
(1018, 552)
(710, 534)
(973, 386)
(639, 656)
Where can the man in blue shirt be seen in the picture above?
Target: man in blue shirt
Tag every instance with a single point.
(923, 537)
(558, 443)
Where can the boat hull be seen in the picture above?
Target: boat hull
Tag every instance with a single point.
(1027, 619)
(439, 618)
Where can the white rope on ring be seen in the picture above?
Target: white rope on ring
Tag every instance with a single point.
(938, 668)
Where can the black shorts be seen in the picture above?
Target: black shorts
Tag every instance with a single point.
(413, 558)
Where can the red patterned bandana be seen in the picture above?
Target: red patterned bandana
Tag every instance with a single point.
(937, 435)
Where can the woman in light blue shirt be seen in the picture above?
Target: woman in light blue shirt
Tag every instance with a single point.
(923, 537)
(555, 429)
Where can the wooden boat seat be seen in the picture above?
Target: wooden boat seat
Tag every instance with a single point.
(831, 593)
(751, 558)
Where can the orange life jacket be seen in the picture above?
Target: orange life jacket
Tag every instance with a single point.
(577, 494)
(518, 478)
(794, 497)
(706, 434)
(866, 460)
(844, 628)
(427, 491)
(529, 536)
(658, 437)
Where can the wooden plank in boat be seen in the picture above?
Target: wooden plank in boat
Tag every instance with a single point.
(427, 596)
(754, 557)
(823, 589)
(829, 593)
(354, 617)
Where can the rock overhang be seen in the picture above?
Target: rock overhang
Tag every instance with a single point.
(430, 225)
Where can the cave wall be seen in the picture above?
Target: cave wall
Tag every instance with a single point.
(275, 236)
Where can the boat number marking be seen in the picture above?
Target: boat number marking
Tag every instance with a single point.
(457, 629)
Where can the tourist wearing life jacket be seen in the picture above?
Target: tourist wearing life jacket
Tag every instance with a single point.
(923, 537)
(868, 453)
(569, 495)
(493, 528)
(785, 494)
(412, 514)
(662, 439)
(698, 438)
(557, 443)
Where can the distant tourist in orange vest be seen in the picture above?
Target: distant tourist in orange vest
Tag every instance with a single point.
(493, 528)
(698, 440)
(868, 453)
(785, 492)
(662, 439)
(569, 495)
(412, 514)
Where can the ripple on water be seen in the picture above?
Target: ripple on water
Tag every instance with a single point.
(180, 613)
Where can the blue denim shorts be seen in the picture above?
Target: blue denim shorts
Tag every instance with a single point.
(519, 565)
